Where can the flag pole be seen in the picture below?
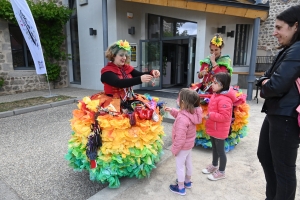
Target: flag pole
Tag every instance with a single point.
(50, 95)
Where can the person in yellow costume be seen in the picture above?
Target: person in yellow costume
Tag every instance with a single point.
(213, 64)
(117, 133)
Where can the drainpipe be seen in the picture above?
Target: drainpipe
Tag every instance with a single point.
(105, 28)
(251, 76)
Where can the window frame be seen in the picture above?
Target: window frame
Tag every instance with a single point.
(25, 50)
(241, 45)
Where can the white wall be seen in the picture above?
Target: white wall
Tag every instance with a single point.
(91, 47)
(215, 21)
(112, 22)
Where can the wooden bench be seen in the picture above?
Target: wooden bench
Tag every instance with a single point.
(242, 78)
(247, 73)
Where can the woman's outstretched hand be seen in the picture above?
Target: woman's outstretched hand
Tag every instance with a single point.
(156, 73)
(146, 78)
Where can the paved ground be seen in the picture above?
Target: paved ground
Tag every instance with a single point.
(32, 164)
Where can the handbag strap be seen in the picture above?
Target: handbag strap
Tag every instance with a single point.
(298, 84)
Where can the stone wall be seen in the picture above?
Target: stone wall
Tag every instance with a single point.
(17, 81)
(267, 43)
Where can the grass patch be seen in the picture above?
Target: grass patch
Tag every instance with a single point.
(7, 106)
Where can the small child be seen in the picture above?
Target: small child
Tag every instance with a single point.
(218, 121)
(183, 137)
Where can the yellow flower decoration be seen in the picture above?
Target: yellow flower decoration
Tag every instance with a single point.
(217, 40)
(91, 104)
(123, 45)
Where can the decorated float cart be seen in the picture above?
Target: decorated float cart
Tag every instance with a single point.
(239, 123)
(114, 138)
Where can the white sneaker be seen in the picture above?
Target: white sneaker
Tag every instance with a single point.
(209, 169)
(217, 175)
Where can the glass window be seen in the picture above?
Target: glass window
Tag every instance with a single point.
(241, 44)
(171, 27)
(21, 55)
(153, 27)
(186, 28)
(175, 27)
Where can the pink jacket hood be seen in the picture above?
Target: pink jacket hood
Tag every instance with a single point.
(195, 118)
(236, 98)
(184, 129)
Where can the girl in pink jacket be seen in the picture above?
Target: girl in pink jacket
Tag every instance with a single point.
(183, 136)
(218, 121)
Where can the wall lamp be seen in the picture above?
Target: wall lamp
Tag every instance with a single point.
(221, 30)
(93, 31)
(131, 30)
(230, 34)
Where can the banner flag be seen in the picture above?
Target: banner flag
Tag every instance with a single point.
(30, 33)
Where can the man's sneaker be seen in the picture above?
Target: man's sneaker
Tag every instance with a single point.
(186, 185)
(175, 189)
(217, 175)
(209, 169)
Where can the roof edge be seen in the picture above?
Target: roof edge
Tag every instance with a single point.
(259, 6)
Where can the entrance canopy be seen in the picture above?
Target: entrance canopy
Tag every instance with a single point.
(240, 8)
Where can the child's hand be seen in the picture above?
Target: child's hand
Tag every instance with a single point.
(168, 109)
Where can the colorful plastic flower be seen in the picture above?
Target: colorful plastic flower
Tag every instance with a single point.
(123, 45)
(217, 40)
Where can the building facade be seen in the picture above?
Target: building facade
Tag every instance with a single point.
(169, 35)
(267, 43)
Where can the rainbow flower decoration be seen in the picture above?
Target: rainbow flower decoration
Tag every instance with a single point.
(127, 150)
(217, 40)
(239, 127)
(123, 45)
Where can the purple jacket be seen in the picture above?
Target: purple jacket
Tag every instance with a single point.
(184, 129)
(220, 113)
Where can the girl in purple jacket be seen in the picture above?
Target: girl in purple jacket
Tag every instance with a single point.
(183, 136)
(218, 121)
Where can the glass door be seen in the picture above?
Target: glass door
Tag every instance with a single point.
(191, 61)
(180, 55)
(150, 59)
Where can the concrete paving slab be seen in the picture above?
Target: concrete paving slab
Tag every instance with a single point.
(32, 157)
(32, 163)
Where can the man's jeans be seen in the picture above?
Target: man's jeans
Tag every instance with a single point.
(277, 152)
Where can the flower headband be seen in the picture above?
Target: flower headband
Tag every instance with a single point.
(123, 45)
(217, 40)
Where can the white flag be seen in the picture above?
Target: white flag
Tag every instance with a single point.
(30, 33)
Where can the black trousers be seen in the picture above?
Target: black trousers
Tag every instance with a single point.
(218, 152)
(277, 152)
